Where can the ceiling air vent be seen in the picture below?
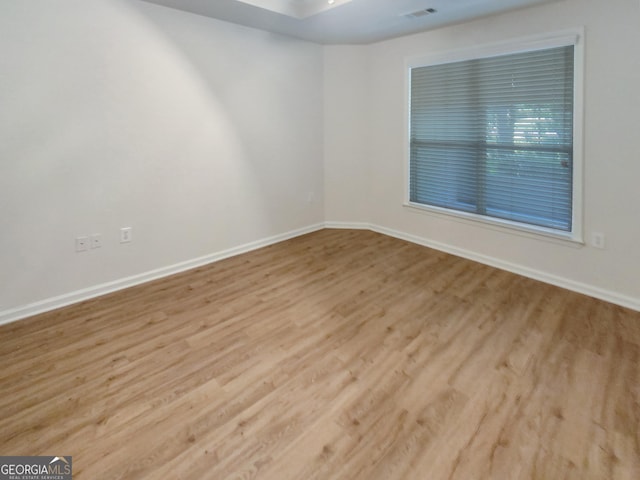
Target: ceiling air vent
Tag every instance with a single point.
(420, 13)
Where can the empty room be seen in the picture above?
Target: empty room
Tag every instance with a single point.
(320, 239)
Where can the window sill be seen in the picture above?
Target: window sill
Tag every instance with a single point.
(503, 226)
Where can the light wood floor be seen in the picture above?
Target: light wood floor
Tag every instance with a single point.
(336, 355)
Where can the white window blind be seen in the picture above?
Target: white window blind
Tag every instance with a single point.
(494, 137)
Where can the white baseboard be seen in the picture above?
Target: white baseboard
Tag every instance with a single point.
(18, 313)
(53, 303)
(579, 287)
(349, 225)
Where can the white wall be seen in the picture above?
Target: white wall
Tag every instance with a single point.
(205, 137)
(201, 135)
(612, 157)
(346, 127)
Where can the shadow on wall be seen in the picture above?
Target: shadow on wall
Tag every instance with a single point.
(108, 120)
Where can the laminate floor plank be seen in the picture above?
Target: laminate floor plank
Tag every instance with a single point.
(337, 355)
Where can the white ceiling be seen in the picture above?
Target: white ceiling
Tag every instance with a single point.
(345, 21)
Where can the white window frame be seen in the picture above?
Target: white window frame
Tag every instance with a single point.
(573, 37)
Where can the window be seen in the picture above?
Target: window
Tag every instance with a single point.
(492, 137)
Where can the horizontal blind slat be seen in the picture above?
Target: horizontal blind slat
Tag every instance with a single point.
(495, 136)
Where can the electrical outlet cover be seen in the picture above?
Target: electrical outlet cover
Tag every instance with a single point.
(598, 240)
(96, 240)
(126, 234)
(82, 244)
